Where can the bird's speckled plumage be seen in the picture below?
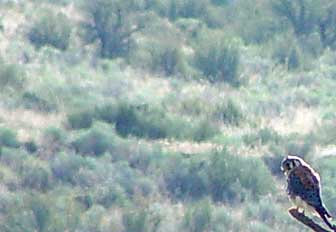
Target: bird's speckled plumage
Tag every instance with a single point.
(303, 186)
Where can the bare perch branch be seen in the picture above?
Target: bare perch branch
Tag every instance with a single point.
(306, 220)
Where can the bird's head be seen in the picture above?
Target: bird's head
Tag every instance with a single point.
(290, 162)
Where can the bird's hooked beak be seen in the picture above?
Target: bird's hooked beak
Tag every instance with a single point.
(282, 165)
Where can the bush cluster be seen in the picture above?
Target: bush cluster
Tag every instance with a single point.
(218, 58)
(8, 138)
(53, 29)
(144, 121)
(226, 177)
(11, 76)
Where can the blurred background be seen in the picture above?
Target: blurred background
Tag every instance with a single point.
(162, 115)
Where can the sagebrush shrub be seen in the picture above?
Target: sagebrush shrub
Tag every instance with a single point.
(185, 177)
(155, 123)
(93, 142)
(37, 177)
(81, 119)
(135, 220)
(107, 113)
(12, 76)
(8, 138)
(31, 100)
(229, 112)
(198, 217)
(231, 175)
(110, 23)
(53, 29)
(218, 59)
(66, 166)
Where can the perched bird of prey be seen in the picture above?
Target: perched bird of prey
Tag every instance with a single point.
(303, 187)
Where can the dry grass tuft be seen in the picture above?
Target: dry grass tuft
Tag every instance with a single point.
(28, 123)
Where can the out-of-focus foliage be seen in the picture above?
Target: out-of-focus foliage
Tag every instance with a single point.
(218, 58)
(111, 23)
(53, 29)
(231, 175)
(11, 76)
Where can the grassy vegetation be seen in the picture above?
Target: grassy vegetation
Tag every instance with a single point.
(162, 115)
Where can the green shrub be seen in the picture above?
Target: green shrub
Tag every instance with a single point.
(251, 139)
(30, 146)
(326, 133)
(8, 138)
(152, 124)
(302, 148)
(53, 140)
(272, 216)
(31, 100)
(161, 51)
(36, 177)
(41, 212)
(198, 218)
(268, 135)
(326, 167)
(145, 187)
(174, 9)
(20, 217)
(294, 60)
(280, 50)
(142, 156)
(168, 58)
(183, 129)
(230, 176)
(189, 9)
(135, 220)
(255, 177)
(301, 15)
(224, 220)
(185, 177)
(273, 160)
(86, 200)
(255, 26)
(110, 22)
(93, 142)
(293, 57)
(223, 174)
(258, 226)
(262, 137)
(325, 26)
(11, 76)
(218, 58)
(91, 219)
(54, 135)
(229, 112)
(81, 119)
(51, 29)
(126, 177)
(142, 123)
(13, 158)
(202, 130)
(126, 120)
(109, 195)
(66, 166)
(155, 123)
(220, 2)
(107, 113)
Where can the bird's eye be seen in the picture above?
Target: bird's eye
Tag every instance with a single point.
(287, 166)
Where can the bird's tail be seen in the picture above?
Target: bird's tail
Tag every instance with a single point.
(322, 211)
